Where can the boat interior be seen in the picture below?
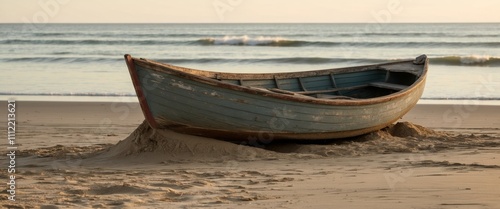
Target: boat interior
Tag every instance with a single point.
(364, 84)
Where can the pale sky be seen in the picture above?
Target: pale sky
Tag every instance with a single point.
(220, 11)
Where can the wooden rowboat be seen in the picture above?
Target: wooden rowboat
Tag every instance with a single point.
(309, 105)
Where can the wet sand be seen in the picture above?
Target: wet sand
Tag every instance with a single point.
(100, 155)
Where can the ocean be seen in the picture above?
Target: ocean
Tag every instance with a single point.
(84, 62)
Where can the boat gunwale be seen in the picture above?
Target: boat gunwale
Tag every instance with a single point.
(211, 78)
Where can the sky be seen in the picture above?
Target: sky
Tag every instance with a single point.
(247, 11)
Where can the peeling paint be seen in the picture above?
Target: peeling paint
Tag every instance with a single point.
(157, 76)
(317, 117)
(181, 85)
(215, 94)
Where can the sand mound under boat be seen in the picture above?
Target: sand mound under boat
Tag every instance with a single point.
(149, 145)
(153, 145)
(165, 145)
(407, 129)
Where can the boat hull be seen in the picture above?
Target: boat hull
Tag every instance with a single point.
(198, 106)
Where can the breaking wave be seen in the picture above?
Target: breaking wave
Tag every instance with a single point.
(474, 60)
(470, 60)
(274, 41)
(249, 41)
(283, 42)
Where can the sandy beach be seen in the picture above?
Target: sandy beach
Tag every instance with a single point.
(102, 155)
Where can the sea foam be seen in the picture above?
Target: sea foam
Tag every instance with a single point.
(245, 40)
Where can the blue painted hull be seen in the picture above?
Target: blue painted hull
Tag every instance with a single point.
(275, 106)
